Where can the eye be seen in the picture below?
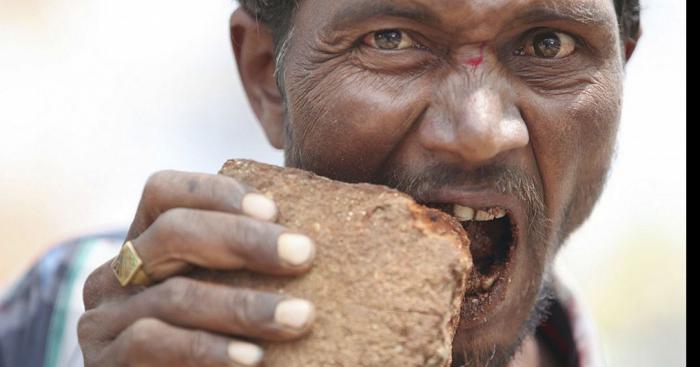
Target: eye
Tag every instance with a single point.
(390, 39)
(548, 45)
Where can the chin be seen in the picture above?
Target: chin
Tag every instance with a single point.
(492, 335)
(508, 291)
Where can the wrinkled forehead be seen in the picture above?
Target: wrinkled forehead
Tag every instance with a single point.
(474, 16)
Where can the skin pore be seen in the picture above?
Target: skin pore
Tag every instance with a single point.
(481, 102)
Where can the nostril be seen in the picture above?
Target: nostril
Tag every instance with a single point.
(485, 151)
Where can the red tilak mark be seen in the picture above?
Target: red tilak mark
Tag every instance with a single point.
(476, 61)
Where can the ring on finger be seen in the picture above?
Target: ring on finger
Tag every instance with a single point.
(128, 267)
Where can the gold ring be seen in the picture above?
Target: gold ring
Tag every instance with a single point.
(128, 267)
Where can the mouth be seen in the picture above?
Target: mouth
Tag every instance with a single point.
(494, 236)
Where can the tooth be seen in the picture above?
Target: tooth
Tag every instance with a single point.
(463, 213)
(487, 283)
(498, 212)
(483, 216)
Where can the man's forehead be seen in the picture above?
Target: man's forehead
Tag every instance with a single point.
(465, 12)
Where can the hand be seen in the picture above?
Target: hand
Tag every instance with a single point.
(209, 221)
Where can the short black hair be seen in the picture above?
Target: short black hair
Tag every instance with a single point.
(628, 17)
(277, 16)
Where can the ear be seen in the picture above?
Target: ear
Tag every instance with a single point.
(254, 51)
(631, 44)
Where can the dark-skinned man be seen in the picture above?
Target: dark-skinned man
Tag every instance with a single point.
(477, 106)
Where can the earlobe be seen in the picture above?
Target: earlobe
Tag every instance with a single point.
(253, 48)
(631, 44)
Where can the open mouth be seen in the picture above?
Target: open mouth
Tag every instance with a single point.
(493, 237)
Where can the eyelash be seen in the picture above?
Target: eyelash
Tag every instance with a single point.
(418, 45)
(527, 39)
(521, 43)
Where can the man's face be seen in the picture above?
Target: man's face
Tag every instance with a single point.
(499, 106)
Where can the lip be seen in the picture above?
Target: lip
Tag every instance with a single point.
(486, 306)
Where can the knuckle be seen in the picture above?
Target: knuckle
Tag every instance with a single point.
(179, 294)
(246, 307)
(155, 183)
(198, 349)
(228, 185)
(250, 234)
(167, 223)
(139, 334)
(247, 230)
(93, 289)
(144, 329)
(228, 191)
(89, 293)
(173, 217)
(87, 338)
(159, 177)
(86, 326)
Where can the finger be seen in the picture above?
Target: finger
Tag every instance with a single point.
(151, 342)
(214, 240)
(183, 237)
(188, 303)
(102, 284)
(172, 189)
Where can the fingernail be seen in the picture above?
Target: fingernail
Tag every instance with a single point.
(294, 313)
(259, 206)
(295, 249)
(245, 353)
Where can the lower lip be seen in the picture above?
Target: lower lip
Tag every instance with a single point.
(479, 308)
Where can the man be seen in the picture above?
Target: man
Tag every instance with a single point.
(473, 106)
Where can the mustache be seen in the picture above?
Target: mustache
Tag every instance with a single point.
(501, 178)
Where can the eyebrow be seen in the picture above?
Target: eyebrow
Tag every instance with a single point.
(374, 9)
(578, 13)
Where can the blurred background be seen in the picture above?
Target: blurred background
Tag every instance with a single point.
(96, 95)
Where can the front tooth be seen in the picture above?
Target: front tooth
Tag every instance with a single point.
(499, 213)
(463, 213)
(482, 216)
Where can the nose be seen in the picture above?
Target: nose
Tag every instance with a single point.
(475, 127)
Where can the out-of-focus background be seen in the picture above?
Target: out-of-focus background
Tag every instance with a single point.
(96, 95)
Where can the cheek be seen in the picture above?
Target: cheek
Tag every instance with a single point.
(573, 140)
(600, 107)
(344, 123)
(597, 112)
